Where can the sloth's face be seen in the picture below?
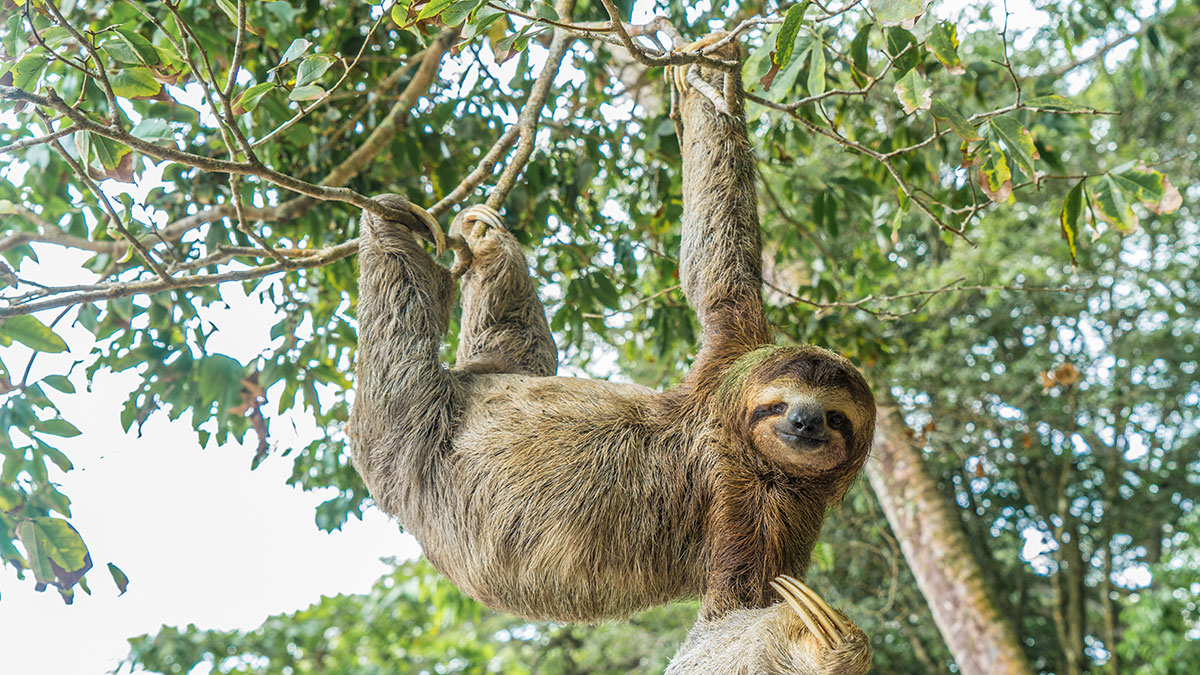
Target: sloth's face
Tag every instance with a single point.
(803, 429)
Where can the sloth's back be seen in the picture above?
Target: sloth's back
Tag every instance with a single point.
(573, 500)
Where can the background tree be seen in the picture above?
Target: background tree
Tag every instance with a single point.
(918, 180)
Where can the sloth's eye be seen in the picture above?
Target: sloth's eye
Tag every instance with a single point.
(767, 410)
(837, 420)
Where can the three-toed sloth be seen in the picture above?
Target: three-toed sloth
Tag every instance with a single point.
(580, 500)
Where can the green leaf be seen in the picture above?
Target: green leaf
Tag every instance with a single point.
(459, 11)
(307, 92)
(943, 111)
(914, 92)
(32, 333)
(58, 427)
(545, 10)
(1055, 102)
(994, 176)
(1069, 218)
(433, 8)
(399, 12)
(785, 40)
(858, 54)
(26, 72)
(119, 578)
(943, 44)
(59, 382)
(248, 99)
(60, 460)
(294, 51)
(145, 51)
(55, 551)
(312, 68)
(897, 12)
(134, 83)
(110, 153)
(606, 291)
(153, 130)
(816, 69)
(902, 48)
(1018, 141)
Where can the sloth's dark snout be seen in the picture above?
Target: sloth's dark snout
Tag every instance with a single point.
(806, 420)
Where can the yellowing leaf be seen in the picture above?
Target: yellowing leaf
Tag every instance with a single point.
(914, 92)
(943, 44)
(1069, 218)
(994, 176)
(1018, 141)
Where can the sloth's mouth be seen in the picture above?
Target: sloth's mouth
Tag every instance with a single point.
(800, 441)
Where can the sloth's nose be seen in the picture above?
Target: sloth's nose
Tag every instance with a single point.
(807, 419)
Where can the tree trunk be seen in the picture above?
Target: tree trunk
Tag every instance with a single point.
(979, 638)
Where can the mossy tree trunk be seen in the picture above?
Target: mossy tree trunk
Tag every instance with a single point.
(950, 578)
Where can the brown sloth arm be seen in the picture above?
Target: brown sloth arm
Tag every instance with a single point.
(503, 326)
(403, 393)
(721, 253)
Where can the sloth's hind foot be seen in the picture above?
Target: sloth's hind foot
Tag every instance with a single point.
(840, 646)
(468, 232)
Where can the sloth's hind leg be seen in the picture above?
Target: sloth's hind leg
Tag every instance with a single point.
(504, 327)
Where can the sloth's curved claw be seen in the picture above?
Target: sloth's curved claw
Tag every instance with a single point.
(435, 230)
(821, 620)
(479, 213)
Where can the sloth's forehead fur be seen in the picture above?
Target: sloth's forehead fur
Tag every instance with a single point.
(789, 373)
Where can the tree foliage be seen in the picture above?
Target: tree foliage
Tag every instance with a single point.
(952, 206)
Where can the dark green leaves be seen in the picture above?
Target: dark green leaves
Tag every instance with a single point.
(946, 113)
(785, 42)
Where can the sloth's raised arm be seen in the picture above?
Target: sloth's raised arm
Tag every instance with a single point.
(721, 254)
(402, 392)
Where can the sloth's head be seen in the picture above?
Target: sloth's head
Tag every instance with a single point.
(805, 410)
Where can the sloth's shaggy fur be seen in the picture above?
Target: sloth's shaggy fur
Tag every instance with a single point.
(581, 500)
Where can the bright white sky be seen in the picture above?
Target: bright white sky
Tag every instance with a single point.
(202, 539)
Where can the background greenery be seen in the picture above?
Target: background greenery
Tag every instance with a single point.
(1061, 423)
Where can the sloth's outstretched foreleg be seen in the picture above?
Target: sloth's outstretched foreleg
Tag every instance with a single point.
(402, 406)
(504, 327)
(721, 253)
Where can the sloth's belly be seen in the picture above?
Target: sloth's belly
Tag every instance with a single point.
(571, 507)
